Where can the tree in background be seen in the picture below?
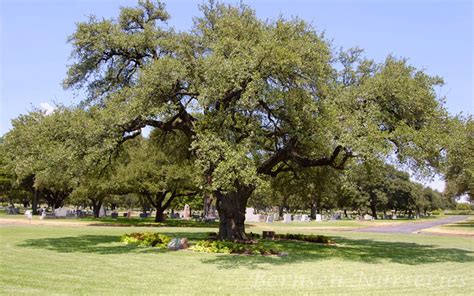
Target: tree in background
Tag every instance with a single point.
(459, 174)
(159, 169)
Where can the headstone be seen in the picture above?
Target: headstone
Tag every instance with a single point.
(297, 218)
(250, 216)
(187, 212)
(319, 218)
(305, 218)
(13, 210)
(269, 219)
(368, 217)
(102, 212)
(114, 215)
(43, 214)
(60, 212)
(29, 215)
(262, 218)
(394, 216)
(177, 243)
(286, 218)
(276, 217)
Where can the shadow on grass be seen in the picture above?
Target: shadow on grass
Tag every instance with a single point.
(468, 224)
(356, 250)
(148, 222)
(99, 244)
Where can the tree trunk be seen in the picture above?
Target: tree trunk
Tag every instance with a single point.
(96, 208)
(160, 216)
(345, 213)
(374, 211)
(25, 202)
(231, 208)
(207, 205)
(34, 202)
(313, 211)
(280, 211)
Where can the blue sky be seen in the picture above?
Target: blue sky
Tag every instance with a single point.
(435, 35)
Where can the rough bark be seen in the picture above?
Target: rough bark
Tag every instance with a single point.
(373, 209)
(160, 216)
(207, 201)
(313, 211)
(96, 204)
(231, 208)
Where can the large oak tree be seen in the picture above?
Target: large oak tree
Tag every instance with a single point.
(254, 97)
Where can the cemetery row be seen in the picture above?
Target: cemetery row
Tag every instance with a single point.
(250, 215)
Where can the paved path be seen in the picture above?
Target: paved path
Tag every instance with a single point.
(412, 226)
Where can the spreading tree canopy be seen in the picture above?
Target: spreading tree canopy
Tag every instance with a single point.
(254, 98)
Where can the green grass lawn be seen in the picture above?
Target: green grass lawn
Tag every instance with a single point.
(467, 225)
(461, 228)
(48, 260)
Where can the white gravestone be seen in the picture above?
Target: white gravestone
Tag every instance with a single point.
(187, 212)
(286, 218)
(394, 217)
(102, 212)
(305, 218)
(43, 213)
(60, 212)
(29, 215)
(367, 217)
(319, 218)
(250, 216)
(269, 219)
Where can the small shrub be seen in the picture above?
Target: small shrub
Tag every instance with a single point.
(149, 239)
(321, 239)
(227, 247)
(463, 207)
(252, 235)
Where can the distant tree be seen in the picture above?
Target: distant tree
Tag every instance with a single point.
(158, 170)
(459, 174)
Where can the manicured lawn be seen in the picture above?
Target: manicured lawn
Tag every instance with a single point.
(460, 228)
(49, 260)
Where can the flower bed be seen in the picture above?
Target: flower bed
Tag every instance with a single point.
(149, 239)
(228, 247)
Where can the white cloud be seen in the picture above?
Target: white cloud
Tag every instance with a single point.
(47, 107)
